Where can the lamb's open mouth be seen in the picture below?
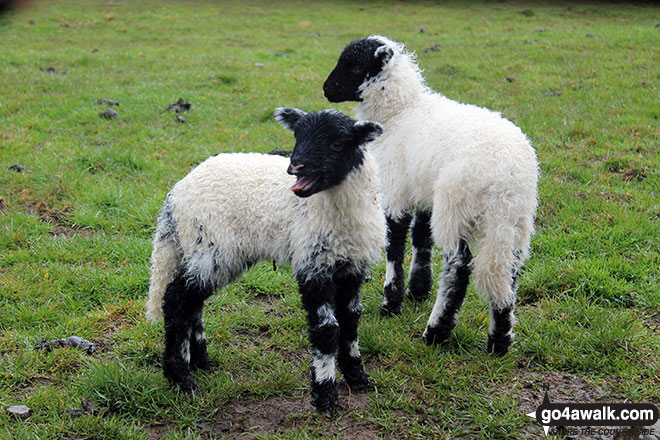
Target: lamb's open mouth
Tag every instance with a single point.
(304, 183)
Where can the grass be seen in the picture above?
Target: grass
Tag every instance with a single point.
(75, 225)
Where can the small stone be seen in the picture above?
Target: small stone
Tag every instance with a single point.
(31, 21)
(510, 79)
(590, 36)
(109, 113)
(180, 118)
(70, 341)
(50, 69)
(258, 64)
(422, 31)
(657, 26)
(317, 35)
(16, 167)
(95, 50)
(20, 411)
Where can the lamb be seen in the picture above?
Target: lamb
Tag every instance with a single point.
(468, 175)
(236, 209)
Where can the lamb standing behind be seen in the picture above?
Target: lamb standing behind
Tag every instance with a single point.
(236, 209)
(469, 175)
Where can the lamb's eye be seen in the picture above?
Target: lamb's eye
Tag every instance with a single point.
(336, 146)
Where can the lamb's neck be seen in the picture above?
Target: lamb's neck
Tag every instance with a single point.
(356, 193)
(399, 88)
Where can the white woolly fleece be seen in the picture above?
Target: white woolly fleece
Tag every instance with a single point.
(476, 170)
(235, 209)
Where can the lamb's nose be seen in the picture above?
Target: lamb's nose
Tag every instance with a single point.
(293, 169)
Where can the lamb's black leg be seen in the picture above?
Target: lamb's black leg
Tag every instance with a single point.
(451, 293)
(182, 309)
(397, 229)
(348, 311)
(420, 280)
(500, 332)
(317, 299)
(199, 356)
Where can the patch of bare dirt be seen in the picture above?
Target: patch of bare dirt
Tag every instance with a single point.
(651, 320)
(563, 387)
(527, 388)
(62, 226)
(115, 319)
(250, 418)
(270, 303)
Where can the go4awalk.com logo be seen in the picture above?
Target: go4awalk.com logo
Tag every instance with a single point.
(581, 418)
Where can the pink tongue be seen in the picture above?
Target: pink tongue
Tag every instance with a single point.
(303, 182)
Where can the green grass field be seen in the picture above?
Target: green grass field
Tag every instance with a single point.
(76, 223)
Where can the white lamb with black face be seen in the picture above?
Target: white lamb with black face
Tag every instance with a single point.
(319, 211)
(467, 174)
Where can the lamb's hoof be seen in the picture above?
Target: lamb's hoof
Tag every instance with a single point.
(204, 364)
(420, 286)
(436, 335)
(358, 379)
(327, 405)
(361, 386)
(325, 398)
(499, 346)
(392, 299)
(188, 386)
(388, 309)
(418, 294)
(330, 410)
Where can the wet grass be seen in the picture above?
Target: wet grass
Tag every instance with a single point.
(76, 222)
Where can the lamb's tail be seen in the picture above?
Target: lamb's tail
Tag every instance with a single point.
(165, 264)
(502, 248)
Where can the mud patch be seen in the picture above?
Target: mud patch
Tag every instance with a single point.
(651, 320)
(62, 226)
(248, 418)
(114, 319)
(563, 387)
(159, 430)
(255, 418)
(270, 303)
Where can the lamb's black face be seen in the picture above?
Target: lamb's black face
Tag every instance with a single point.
(327, 147)
(360, 61)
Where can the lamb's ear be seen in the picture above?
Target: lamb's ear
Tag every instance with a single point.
(366, 131)
(383, 53)
(288, 117)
